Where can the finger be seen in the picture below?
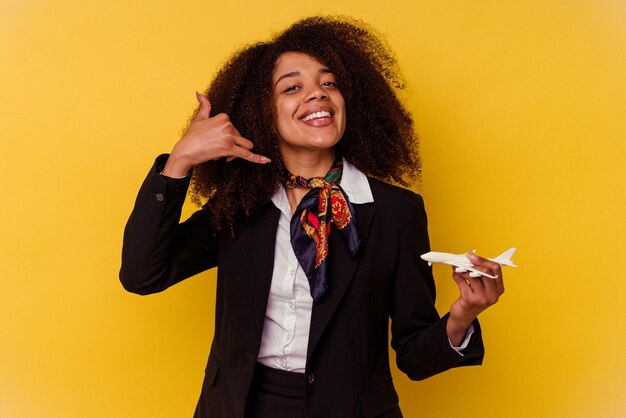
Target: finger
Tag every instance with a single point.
(491, 293)
(205, 107)
(483, 292)
(480, 261)
(489, 285)
(491, 289)
(239, 152)
(243, 142)
(464, 276)
(490, 267)
(499, 281)
(464, 283)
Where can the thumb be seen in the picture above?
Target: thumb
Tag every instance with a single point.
(205, 107)
(474, 259)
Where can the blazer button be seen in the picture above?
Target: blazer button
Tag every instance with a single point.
(311, 378)
(159, 197)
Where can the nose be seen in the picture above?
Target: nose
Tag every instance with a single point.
(316, 93)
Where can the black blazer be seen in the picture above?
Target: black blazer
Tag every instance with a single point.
(347, 370)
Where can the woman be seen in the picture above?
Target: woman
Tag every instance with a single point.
(314, 254)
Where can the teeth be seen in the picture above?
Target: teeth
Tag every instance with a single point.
(322, 114)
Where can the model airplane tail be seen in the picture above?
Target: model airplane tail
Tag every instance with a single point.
(505, 258)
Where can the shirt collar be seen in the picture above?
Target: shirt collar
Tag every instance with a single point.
(353, 182)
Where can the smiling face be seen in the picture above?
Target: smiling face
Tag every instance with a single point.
(310, 114)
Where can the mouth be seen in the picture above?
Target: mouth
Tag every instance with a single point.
(316, 115)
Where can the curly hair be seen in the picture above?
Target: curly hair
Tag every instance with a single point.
(379, 139)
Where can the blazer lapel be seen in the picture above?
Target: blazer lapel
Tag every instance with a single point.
(342, 267)
(260, 237)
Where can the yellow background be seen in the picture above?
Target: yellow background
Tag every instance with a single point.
(520, 105)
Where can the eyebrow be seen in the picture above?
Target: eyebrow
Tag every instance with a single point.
(297, 73)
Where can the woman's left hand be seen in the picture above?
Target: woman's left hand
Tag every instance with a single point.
(477, 294)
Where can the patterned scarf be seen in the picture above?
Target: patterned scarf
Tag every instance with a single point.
(310, 224)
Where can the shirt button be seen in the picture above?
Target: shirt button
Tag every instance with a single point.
(311, 378)
(291, 305)
(281, 361)
(159, 197)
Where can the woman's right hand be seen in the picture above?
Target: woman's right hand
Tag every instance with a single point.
(209, 138)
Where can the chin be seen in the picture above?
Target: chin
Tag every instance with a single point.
(323, 141)
(310, 144)
(323, 144)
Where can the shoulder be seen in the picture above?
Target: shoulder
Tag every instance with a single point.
(389, 195)
(400, 215)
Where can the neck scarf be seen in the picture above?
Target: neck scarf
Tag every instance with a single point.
(326, 202)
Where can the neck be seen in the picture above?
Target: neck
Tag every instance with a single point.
(307, 165)
(310, 164)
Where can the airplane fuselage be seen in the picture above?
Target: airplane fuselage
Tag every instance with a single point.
(462, 264)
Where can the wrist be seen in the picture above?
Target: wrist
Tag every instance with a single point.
(177, 167)
(456, 328)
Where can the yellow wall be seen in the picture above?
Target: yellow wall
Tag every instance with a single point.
(520, 105)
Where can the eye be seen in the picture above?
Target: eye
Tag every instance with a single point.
(329, 84)
(291, 89)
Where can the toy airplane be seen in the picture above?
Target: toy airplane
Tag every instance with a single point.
(462, 263)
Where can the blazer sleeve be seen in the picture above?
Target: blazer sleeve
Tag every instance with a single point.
(418, 334)
(157, 251)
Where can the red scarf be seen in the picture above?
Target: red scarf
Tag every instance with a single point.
(310, 224)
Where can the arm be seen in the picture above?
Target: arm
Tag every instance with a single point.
(418, 334)
(158, 251)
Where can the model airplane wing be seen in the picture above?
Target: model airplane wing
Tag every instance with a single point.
(474, 272)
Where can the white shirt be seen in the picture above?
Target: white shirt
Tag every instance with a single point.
(288, 316)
